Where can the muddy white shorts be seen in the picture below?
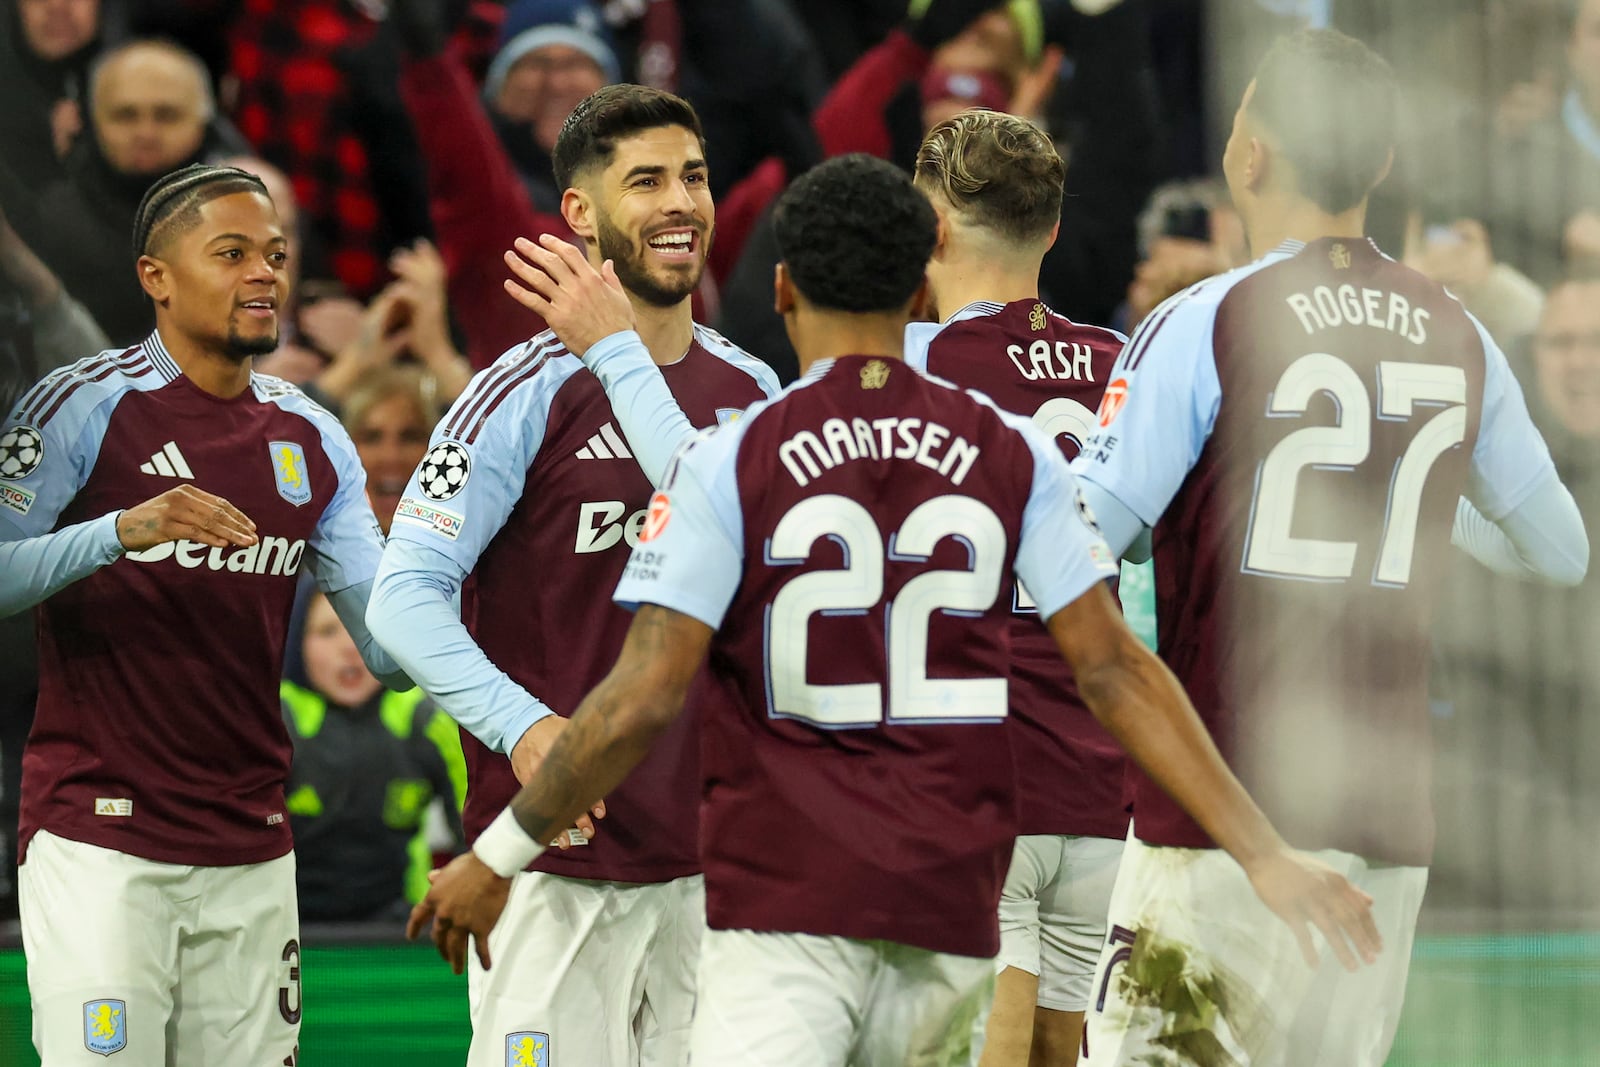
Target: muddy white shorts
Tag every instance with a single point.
(1196, 969)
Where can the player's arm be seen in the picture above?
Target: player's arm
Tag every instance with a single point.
(43, 467)
(1155, 417)
(1517, 518)
(1064, 563)
(681, 581)
(435, 540)
(590, 312)
(32, 569)
(345, 548)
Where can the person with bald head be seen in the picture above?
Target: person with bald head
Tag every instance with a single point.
(149, 113)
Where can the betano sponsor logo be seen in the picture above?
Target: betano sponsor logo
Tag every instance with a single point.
(601, 525)
(270, 555)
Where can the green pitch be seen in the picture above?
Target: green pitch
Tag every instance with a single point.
(1527, 1001)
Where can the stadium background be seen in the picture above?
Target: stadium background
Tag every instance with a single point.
(1494, 193)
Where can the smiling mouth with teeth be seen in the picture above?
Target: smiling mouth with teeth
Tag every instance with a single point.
(672, 242)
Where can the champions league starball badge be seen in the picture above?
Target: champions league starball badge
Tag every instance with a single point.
(444, 471)
(21, 450)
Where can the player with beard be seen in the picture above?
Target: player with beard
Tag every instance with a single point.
(529, 490)
(157, 882)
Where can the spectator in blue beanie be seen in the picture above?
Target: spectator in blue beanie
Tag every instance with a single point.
(552, 54)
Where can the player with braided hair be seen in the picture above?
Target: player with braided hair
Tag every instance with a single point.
(156, 504)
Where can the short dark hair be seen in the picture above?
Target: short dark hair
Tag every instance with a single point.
(172, 205)
(1331, 104)
(997, 170)
(855, 234)
(590, 134)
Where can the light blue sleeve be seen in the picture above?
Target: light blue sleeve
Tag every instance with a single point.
(691, 556)
(412, 613)
(36, 568)
(467, 484)
(919, 335)
(41, 470)
(1158, 409)
(649, 415)
(345, 547)
(1510, 459)
(455, 504)
(1061, 554)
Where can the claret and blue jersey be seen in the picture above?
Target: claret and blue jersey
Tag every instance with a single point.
(158, 731)
(1298, 433)
(853, 543)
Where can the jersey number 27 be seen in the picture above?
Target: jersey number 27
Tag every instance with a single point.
(1405, 390)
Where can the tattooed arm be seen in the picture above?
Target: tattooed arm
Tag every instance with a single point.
(608, 735)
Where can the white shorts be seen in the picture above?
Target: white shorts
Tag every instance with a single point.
(1194, 961)
(1053, 913)
(588, 974)
(787, 999)
(158, 963)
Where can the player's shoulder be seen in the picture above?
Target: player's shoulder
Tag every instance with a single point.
(291, 399)
(719, 346)
(523, 381)
(65, 399)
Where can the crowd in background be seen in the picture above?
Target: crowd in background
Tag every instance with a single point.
(407, 143)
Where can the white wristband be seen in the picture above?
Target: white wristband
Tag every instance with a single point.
(504, 847)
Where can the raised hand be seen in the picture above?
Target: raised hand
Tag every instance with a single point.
(581, 304)
(185, 514)
(1301, 890)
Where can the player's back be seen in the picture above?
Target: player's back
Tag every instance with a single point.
(859, 777)
(1298, 565)
(1042, 366)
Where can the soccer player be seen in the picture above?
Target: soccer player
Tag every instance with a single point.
(529, 489)
(1299, 433)
(157, 504)
(846, 546)
(995, 182)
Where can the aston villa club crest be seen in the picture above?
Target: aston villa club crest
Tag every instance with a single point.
(527, 1049)
(1036, 318)
(1340, 255)
(289, 468)
(875, 375)
(105, 1026)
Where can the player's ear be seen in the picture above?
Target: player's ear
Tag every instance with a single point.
(1055, 231)
(782, 290)
(153, 278)
(577, 208)
(922, 303)
(941, 235)
(1258, 165)
(1388, 165)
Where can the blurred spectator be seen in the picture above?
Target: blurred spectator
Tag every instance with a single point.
(1189, 232)
(408, 320)
(1458, 256)
(315, 95)
(45, 47)
(552, 54)
(953, 53)
(390, 416)
(1518, 664)
(150, 107)
(1546, 176)
(368, 766)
